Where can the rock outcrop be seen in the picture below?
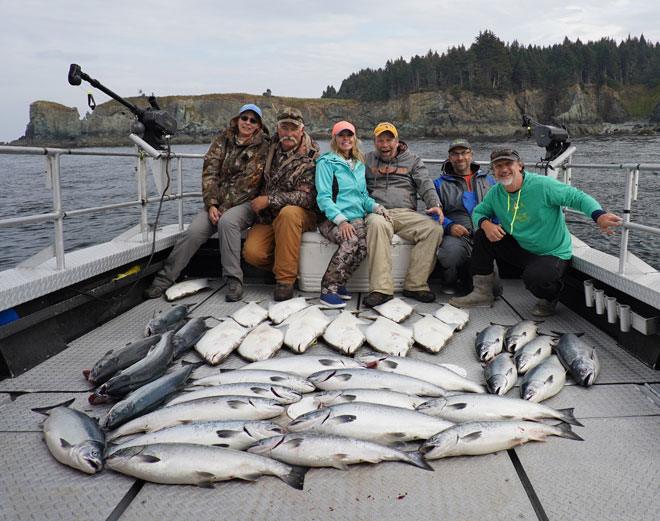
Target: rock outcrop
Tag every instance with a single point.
(583, 110)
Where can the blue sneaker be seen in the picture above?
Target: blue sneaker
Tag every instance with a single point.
(343, 294)
(332, 301)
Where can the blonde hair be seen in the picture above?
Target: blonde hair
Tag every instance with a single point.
(354, 153)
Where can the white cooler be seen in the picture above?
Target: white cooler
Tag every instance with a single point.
(315, 254)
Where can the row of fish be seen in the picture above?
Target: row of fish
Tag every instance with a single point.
(520, 350)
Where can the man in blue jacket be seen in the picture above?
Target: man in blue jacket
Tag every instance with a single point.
(460, 188)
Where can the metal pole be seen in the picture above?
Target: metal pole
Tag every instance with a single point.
(623, 250)
(54, 171)
(180, 190)
(142, 191)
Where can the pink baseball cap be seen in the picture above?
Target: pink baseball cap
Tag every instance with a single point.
(342, 125)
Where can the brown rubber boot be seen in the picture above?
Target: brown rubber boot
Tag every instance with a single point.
(481, 296)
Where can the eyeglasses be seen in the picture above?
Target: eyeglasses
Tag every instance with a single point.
(250, 119)
(460, 154)
(508, 153)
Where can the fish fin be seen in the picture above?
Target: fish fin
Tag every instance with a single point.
(475, 435)
(294, 442)
(568, 416)
(326, 362)
(567, 432)
(401, 445)
(235, 404)
(515, 442)
(389, 364)
(276, 378)
(344, 418)
(44, 410)
(295, 477)
(458, 406)
(222, 445)
(148, 458)
(338, 461)
(205, 479)
(65, 444)
(418, 459)
(226, 433)
(397, 435)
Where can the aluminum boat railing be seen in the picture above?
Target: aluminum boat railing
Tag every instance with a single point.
(160, 163)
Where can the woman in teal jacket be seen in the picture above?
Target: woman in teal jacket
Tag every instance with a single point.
(344, 200)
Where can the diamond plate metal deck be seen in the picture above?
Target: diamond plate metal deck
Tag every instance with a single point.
(611, 475)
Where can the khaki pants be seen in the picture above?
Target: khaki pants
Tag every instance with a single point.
(276, 247)
(421, 229)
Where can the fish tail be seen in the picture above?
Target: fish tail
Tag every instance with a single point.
(295, 477)
(418, 459)
(568, 416)
(44, 410)
(567, 432)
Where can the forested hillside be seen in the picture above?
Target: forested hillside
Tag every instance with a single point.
(490, 67)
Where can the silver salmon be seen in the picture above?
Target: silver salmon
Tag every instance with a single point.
(501, 374)
(481, 407)
(490, 342)
(323, 450)
(187, 464)
(116, 360)
(295, 382)
(166, 320)
(373, 379)
(544, 381)
(371, 422)
(579, 358)
(279, 393)
(533, 353)
(474, 438)
(188, 336)
(519, 334)
(73, 438)
(304, 365)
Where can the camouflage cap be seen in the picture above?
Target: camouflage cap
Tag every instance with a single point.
(504, 153)
(385, 127)
(459, 143)
(291, 115)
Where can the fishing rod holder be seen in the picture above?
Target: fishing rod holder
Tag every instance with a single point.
(152, 123)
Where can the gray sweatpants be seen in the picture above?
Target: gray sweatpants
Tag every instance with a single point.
(230, 226)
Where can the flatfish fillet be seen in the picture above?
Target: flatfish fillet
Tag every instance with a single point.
(219, 342)
(261, 343)
(304, 327)
(250, 315)
(185, 288)
(395, 309)
(453, 315)
(280, 311)
(390, 338)
(432, 333)
(344, 333)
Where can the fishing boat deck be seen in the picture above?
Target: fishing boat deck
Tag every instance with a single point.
(613, 474)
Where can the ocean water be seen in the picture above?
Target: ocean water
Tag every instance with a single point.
(94, 181)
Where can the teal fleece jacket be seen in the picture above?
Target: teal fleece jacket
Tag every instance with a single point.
(538, 223)
(352, 201)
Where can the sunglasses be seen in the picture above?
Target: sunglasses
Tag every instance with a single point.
(503, 152)
(250, 119)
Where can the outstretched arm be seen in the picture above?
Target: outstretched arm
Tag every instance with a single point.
(608, 220)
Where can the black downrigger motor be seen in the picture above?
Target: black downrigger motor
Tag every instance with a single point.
(554, 139)
(151, 124)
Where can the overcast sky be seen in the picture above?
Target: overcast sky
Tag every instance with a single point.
(294, 48)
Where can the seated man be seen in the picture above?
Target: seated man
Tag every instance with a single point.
(460, 188)
(531, 232)
(231, 176)
(395, 178)
(286, 205)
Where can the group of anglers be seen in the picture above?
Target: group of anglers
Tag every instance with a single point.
(277, 187)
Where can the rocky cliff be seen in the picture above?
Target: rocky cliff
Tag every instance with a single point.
(583, 110)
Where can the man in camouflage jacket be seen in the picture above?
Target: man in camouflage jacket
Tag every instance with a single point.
(231, 177)
(286, 205)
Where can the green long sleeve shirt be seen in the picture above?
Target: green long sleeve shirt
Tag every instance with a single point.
(533, 215)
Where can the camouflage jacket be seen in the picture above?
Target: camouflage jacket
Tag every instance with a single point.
(289, 179)
(232, 172)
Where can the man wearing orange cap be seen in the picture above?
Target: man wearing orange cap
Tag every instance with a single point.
(395, 179)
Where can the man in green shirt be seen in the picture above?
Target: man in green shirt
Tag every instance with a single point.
(531, 233)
